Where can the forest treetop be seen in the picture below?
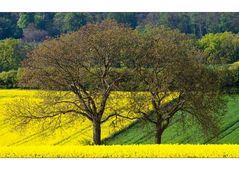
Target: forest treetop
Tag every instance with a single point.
(42, 25)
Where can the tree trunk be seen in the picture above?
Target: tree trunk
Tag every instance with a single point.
(96, 132)
(158, 135)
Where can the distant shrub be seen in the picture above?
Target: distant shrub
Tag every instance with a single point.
(235, 66)
(235, 70)
(220, 47)
(8, 79)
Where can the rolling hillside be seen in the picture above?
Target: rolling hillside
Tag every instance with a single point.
(177, 133)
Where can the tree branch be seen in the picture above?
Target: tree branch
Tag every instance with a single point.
(119, 115)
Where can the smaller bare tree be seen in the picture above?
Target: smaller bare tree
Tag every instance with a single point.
(32, 34)
(169, 69)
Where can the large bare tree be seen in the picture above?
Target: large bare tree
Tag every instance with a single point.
(88, 63)
(170, 69)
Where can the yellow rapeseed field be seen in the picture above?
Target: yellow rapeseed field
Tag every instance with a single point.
(77, 134)
(71, 142)
(123, 151)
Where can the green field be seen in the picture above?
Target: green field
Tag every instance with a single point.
(143, 133)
